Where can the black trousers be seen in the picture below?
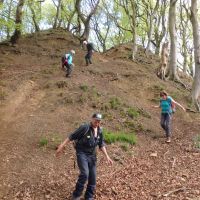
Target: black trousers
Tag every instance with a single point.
(88, 57)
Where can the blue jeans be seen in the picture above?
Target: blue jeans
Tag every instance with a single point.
(87, 167)
(165, 123)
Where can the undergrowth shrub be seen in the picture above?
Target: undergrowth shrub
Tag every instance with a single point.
(2, 95)
(43, 142)
(134, 126)
(197, 141)
(124, 146)
(84, 88)
(115, 103)
(50, 142)
(158, 88)
(111, 137)
(61, 84)
(133, 113)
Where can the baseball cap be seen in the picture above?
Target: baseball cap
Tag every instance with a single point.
(97, 116)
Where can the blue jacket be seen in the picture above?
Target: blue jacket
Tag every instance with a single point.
(69, 58)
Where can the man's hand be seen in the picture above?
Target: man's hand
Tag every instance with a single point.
(109, 160)
(59, 150)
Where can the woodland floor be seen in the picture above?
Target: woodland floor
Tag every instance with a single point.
(38, 102)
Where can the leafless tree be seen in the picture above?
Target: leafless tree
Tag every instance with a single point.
(196, 41)
(173, 41)
(160, 28)
(102, 35)
(31, 3)
(18, 22)
(150, 18)
(86, 18)
(58, 6)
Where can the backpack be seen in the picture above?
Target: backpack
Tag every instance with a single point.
(173, 107)
(65, 59)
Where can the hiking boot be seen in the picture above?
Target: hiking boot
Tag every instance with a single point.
(76, 198)
(168, 140)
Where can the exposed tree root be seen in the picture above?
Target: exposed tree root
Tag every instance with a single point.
(174, 191)
(193, 111)
(182, 84)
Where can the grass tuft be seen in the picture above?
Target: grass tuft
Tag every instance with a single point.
(43, 142)
(2, 94)
(115, 103)
(197, 141)
(124, 147)
(111, 137)
(133, 113)
(84, 88)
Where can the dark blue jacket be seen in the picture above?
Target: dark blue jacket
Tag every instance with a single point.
(90, 47)
(85, 140)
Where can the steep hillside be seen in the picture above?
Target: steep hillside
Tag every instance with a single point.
(40, 107)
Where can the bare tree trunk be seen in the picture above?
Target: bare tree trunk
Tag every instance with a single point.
(86, 20)
(133, 27)
(160, 21)
(190, 64)
(173, 41)
(157, 51)
(57, 14)
(102, 37)
(37, 28)
(150, 32)
(9, 16)
(183, 33)
(18, 22)
(196, 40)
(70, 20)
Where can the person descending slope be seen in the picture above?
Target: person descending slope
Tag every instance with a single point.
(67, 62)
(90, 49)
(87, 137)
(167, 105)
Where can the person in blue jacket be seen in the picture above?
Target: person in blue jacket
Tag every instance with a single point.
(167, 104)
(87, 137)
(67, 62)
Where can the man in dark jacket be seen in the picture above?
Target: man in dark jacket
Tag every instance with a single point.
(87, 137)
(90, 50)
